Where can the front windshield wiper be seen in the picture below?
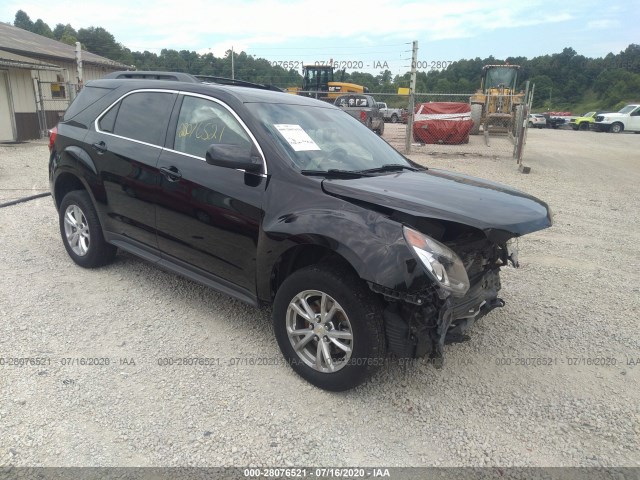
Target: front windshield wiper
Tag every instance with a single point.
(334, 172)
(390, 167)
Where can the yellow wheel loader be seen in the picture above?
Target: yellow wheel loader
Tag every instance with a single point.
(496, 106)
(318, 82)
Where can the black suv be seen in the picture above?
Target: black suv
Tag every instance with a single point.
(278, 199)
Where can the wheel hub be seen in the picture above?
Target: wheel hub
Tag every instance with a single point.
(319, 331)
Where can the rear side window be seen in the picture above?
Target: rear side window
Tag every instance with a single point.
(108, 121)
(87, 97)
(140, 116)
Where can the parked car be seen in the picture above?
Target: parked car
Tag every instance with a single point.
(363, 108)
(283, 200)
(628, 118)
(554, 121)
(537, 120)
(583, 122)
(393, 115)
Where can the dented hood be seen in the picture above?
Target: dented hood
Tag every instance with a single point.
(501, 212)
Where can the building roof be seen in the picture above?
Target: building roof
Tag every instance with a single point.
(12, 60)
(17, 40)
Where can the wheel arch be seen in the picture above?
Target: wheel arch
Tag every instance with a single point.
(617, 123)
(66, 182)
(301, 256)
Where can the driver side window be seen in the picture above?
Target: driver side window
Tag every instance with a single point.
(203, 123)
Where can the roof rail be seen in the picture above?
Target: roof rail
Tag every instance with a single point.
(185, 77)
(233, 81)
(153, 75)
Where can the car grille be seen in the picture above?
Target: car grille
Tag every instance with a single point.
(599, 118)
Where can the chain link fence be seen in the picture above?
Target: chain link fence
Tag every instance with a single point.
(450, 124)
(52, 100)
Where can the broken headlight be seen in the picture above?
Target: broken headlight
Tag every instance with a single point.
(440, 262)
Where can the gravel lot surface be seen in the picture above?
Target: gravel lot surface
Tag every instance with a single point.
(574, 299)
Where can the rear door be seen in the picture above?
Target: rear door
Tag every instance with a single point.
(209, 217)
(125, 145)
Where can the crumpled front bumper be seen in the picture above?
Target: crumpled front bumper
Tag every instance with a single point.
(458, 314)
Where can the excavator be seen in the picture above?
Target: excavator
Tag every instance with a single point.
(496, 105)
(318, 82)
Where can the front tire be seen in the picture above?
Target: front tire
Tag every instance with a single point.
(328, 325)
(476, 116)
(394, 118)
(584, 126)
(81, 231)
(616, 128)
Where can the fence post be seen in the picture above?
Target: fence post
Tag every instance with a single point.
(412, 98)
(522, 128)
(42, 119)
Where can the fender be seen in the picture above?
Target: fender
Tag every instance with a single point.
(372, 243)
(77, 162)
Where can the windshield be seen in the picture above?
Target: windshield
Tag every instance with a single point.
(627, 109)
(505, 76)
(323, 139)
(589, 114)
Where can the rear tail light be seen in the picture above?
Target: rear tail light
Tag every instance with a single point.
(53, 133)
(363, 116)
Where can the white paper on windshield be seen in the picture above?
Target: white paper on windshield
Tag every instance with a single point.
(299, 140)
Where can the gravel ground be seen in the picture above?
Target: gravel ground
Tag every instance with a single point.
(574, 299)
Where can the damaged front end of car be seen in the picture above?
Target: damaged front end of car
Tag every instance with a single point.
(464, 287)
(444, 238)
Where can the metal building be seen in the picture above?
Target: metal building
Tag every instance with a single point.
(39, 77)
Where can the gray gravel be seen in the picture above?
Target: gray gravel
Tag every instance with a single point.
(575, 297)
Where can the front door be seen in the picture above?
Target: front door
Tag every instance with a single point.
(634, 120)
(208, 216)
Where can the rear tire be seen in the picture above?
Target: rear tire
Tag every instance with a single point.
(380, 131)
(81, 231)
(394, 118)
(328, 325)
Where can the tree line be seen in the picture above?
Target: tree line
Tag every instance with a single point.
(562, 80)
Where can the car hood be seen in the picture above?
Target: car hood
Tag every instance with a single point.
(501, 212)
(613, 115)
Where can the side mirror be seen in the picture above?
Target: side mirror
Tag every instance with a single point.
(233, 156)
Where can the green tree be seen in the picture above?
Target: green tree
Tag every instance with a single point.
(97, 40)
(23, 21)
(65, 34)
(42, 28)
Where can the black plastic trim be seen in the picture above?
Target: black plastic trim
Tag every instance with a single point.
(184, 269)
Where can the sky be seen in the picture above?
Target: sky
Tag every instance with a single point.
(366, 36)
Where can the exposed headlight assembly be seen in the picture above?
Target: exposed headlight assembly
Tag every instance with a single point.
(440, 262)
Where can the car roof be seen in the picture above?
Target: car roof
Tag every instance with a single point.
(244, 94)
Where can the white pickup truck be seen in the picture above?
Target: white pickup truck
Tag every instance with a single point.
(393, 115)
(626, 119)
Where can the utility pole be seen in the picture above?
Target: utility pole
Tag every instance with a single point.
(233, 75)
(412, 99)
(79, 64)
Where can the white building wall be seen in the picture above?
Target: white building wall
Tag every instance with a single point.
(22, 93)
